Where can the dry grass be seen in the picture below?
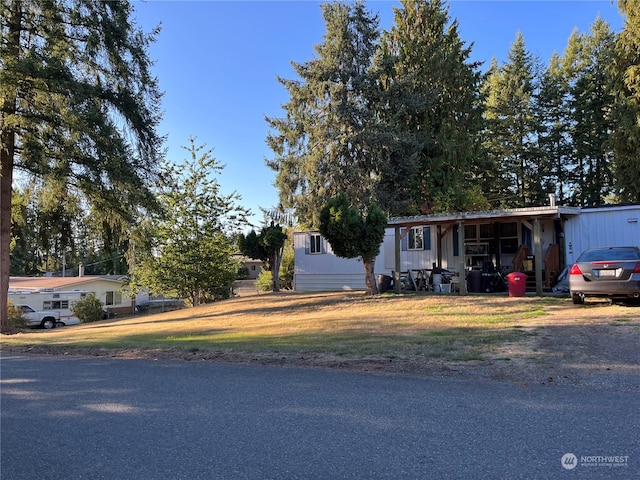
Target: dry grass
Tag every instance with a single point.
(348, 325)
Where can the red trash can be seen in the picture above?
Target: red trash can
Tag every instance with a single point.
(517, 284)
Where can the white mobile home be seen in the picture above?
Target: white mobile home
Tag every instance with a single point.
(538, 241)
(612, 226)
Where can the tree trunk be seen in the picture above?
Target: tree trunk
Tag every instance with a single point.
(369, 277)
(276, 260)
(7, 151)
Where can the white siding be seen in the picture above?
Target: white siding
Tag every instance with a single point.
(325, 271)
(602, 227)
(409, 259)
(329, 282)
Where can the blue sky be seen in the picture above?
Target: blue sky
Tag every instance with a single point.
(217, 63)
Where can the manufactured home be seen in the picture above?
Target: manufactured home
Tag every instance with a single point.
(537, 241)
(107, 288)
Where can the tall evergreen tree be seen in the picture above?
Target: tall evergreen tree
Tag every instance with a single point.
(430, 93)
(625, 70)
(554, 141)
(78, 102)
(511, 127)
(591, 104)
(324, 145)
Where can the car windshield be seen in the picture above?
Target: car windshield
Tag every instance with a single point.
(609, 254)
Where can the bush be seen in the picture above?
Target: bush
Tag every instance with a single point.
(264, 281)
(89, 309)
(16, 319)
(243, 273)
(286, 269)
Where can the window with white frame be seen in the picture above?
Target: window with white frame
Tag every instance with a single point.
(113, 298)
(416, 238)
(315, 243)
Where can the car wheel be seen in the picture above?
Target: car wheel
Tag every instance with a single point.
(59, 324)
(577, 299)
(48, 323)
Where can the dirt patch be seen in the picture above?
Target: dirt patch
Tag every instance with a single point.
(595, 346)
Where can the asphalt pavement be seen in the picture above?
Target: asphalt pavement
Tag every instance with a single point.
(102, 418)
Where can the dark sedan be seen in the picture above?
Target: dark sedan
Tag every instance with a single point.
(612, 272)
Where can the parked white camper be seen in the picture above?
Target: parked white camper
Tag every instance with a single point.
(55, 301)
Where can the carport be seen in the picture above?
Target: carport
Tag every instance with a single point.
(444, 223)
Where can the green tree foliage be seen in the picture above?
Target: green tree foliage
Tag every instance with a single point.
(15, 317)
(591, 102)
(554, 137)
(268, 247)
(191, 253)
(354, 235)
(431, 103)
(24, 258)
(511, 127)
(324, 145)
(78, 103)
(264, 282)
(625, 71)
(88, 309)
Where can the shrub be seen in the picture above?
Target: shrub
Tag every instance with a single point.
(264, 282)
(243, 273)
(286, 269)
(16, 319)
(89, 309)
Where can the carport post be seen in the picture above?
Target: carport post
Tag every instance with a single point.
(462, 259)
(396, 273)
(537, 252)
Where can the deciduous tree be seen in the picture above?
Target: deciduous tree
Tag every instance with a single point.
(268, 246)
(191, 255)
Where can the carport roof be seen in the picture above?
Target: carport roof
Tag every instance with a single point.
(487, 215)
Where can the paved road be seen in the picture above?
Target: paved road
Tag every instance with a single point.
(99, 418)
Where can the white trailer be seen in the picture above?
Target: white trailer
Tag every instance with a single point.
(58, 301)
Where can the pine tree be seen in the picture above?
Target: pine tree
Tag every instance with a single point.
(625, 70)
(78, 102)
(511, 127)
(554, 142)
(324, 145)
(591, 104)
(430, 93)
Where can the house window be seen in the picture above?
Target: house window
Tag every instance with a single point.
(509, 237)
(416, 238)
(487, 231)
(470, 233)
(113, 298)
(315, 243)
